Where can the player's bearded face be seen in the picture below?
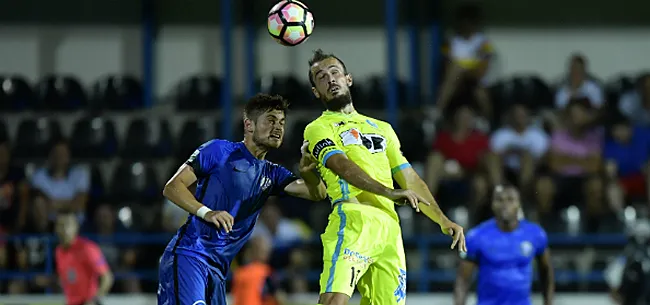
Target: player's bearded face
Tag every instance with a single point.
(269, 129)
(331, 84)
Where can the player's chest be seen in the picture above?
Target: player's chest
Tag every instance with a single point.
(70, 268)
(246, 177)
(505, 250)
(360, 135)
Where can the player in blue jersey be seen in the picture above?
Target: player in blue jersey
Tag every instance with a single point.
(503, 250)
(233, 182)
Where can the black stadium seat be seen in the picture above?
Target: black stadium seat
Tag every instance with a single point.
(97, 184)
(376, 93)
(198, 92)
(412, 137)
(34, 137)
(134, 181)
(60, 93)
(16, 94)
(297, 93)
(4, 133)
(146, 139)
(192, 135)
(93, 137)
(117, 92)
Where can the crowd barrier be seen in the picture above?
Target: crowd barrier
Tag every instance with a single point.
(310, 299)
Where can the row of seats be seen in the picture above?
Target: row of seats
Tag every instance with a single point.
(147, 138)
(203, 92)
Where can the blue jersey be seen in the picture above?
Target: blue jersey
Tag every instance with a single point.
(230, 179)
(505, 261)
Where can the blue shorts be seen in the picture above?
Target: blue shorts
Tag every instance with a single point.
(186, 280)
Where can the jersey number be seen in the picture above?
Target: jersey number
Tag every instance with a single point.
(374, 143)
(354, 276)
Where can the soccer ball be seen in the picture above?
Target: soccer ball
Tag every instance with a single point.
(290, 22)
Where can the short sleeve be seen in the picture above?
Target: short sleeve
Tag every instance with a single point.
(204, 158)
(541, 243)
(321, 143)
(473, 247)
(96, 259)
(39, 179)
(281, 178)
(396, 158)
(539, 145)
(499, 141)
(82, 179)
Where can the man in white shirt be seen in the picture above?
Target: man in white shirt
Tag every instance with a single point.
(520, 145)
(578, 85)
(635, 105)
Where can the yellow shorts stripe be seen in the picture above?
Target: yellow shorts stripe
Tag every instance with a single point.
(337, 251)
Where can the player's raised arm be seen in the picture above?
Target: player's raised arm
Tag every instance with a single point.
(310, 187)
(407, 178)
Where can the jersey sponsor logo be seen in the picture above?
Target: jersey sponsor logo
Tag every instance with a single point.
(341, 123)
(371, 123)
(193, 157)
(356, 257)
(526, 248)
(322, 144)
(373, 142)
(400, 292)
(265, 183)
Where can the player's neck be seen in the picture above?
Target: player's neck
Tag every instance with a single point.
(257, 151)
(347, 109)
(508, 226)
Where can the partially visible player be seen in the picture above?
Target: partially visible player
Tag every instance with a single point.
(358, 158)
(80, 264)
(503, 250)
(233, 182)
(252, 283)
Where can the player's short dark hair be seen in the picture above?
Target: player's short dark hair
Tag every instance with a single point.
(469, 12)
(262, 103)
(319, 56)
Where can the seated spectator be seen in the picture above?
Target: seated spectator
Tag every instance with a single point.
(636, 104)
(119, 257)
(61, 184)
(461, 159)
(274, 226)
(30, 255)
(574, 162)
(521, 145)
(579, 85)
(626, 154)
(468, 53)
(14, 193)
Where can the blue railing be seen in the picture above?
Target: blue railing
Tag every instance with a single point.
(424, 277)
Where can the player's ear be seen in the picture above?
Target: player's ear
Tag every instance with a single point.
(248, 125)
(348, 79)
(316, 94)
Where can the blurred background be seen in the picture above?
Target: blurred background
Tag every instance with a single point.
(552, 96)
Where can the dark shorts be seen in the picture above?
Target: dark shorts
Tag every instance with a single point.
(186, 280)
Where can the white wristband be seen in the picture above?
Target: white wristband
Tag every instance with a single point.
(202, 211)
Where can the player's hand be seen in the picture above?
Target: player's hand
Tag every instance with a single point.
(307, 161)
(457, 234)
(221, 219)
(412, 198)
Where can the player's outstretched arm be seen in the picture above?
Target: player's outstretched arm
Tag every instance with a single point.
(463, 281)
(177, 191)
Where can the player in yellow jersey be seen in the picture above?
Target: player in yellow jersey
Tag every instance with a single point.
(358, 158)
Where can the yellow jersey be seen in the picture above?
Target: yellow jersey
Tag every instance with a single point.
(370, 143)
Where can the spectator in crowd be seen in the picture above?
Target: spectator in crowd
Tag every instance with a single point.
(461, 159)
(468, 53)
(578, 84)
(636, 104)
(105, 224)
(253, 283)
(274, 226)
(521, 145)
(30, 254)
(626, 153)
(14, 192)
(61, 184)
(574, 161)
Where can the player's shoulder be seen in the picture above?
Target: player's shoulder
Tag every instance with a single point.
(321, 121)
(377, 123)
(532, 227)
(483, 228)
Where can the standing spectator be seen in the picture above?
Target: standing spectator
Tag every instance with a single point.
(105, 225)
(253, 283)
(30, 254)
(468, 53)
(636, 104)
(461, 159)
(62, 184)
(626, 153)
(575, 162)
(579, 85)
(521, 145)
(14, 192)
(82, 269)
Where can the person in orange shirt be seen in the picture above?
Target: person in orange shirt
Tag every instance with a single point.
(80, 264)
(252, 283)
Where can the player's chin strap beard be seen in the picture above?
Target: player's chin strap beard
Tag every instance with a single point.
(338, 103)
